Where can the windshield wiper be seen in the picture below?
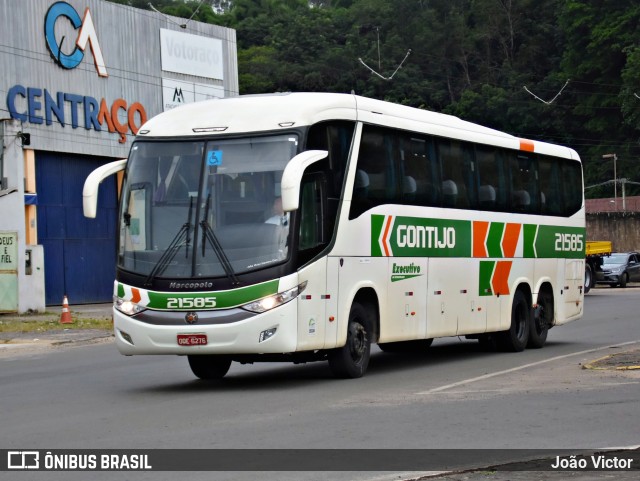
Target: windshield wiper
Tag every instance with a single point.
(208, 234)
(183, 237)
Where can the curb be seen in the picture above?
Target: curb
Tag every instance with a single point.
(620, 361)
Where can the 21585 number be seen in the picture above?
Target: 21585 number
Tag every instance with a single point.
(191, 302)
(569, 242)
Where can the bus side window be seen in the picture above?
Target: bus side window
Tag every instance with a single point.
(458, 176)
(492, 179)
(376, 164)
(419, 172)
(524, 185)
(572, 182)
(550, 186)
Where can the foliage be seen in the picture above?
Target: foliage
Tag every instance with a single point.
(470, 58)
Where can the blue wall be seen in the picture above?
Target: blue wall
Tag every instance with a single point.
(79, 253)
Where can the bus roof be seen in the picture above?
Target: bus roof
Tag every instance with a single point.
(272, 112)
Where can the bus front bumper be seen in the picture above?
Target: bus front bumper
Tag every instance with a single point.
(271, 332)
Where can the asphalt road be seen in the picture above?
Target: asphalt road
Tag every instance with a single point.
(455, 396)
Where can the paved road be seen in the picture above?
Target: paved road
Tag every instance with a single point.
(455, 396)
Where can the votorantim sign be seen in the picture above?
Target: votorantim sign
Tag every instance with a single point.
(191, 54)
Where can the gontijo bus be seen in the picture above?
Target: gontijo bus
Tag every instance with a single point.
(307, 226)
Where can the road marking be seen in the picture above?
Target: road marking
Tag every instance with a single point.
(519, 368)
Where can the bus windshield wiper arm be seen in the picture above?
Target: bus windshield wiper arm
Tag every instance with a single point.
(183, 235)
(208, 234)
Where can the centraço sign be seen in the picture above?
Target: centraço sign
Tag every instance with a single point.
(86, 35)
(42, 106)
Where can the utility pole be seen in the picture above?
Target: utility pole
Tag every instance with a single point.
(615, 177)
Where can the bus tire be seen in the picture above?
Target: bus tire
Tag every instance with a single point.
(406, 347)
(588, 278)
(209, 367)
(351, 360)
(540, 321)
(516, 337)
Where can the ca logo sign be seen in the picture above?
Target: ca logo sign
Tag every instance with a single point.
(86, 35)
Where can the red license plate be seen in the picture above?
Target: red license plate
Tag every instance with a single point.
(192, 339)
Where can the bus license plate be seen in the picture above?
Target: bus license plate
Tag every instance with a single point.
(192, 339)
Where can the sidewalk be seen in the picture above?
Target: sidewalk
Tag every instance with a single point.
(61, 334)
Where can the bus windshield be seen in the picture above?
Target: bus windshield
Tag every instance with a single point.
(204, 208)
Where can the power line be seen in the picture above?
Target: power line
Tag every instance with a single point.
(394, 72)
(181, 25)
(553, 99)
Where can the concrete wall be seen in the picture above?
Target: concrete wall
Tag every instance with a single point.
(621, 228)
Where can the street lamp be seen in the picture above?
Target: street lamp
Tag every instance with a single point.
(615, 177)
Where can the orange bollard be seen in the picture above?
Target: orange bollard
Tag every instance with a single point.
(65, 317)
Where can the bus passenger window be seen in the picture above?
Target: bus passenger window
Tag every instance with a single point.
(456, 171)
(492, 193)
(420, 169)
(524, 186)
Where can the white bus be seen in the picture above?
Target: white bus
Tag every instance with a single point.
(307, 226)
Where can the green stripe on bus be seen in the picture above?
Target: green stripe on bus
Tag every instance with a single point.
(414, 236)
(494, 239)
(175, 301)
(556, 241)
(377, 223)
(486, 272)
(529, 237)
(424, 237)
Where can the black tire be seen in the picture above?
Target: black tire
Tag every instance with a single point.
(588, 278)
(541, 321)
(406, 347)
(209, 367)
(351, 360)
(516, 337)
(624, 278)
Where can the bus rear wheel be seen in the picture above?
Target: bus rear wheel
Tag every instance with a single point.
(541, 321)
(516, 337)
(209, 367)
(588, 278)
(351, 360)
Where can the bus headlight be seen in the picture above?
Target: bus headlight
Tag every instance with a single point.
(127, 307)
(275, 300)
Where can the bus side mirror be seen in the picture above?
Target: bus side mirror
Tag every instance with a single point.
(91, 185)
(292, 175)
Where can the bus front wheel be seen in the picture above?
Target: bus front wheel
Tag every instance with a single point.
(352, 359)
(209, 367)
(516, 337)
